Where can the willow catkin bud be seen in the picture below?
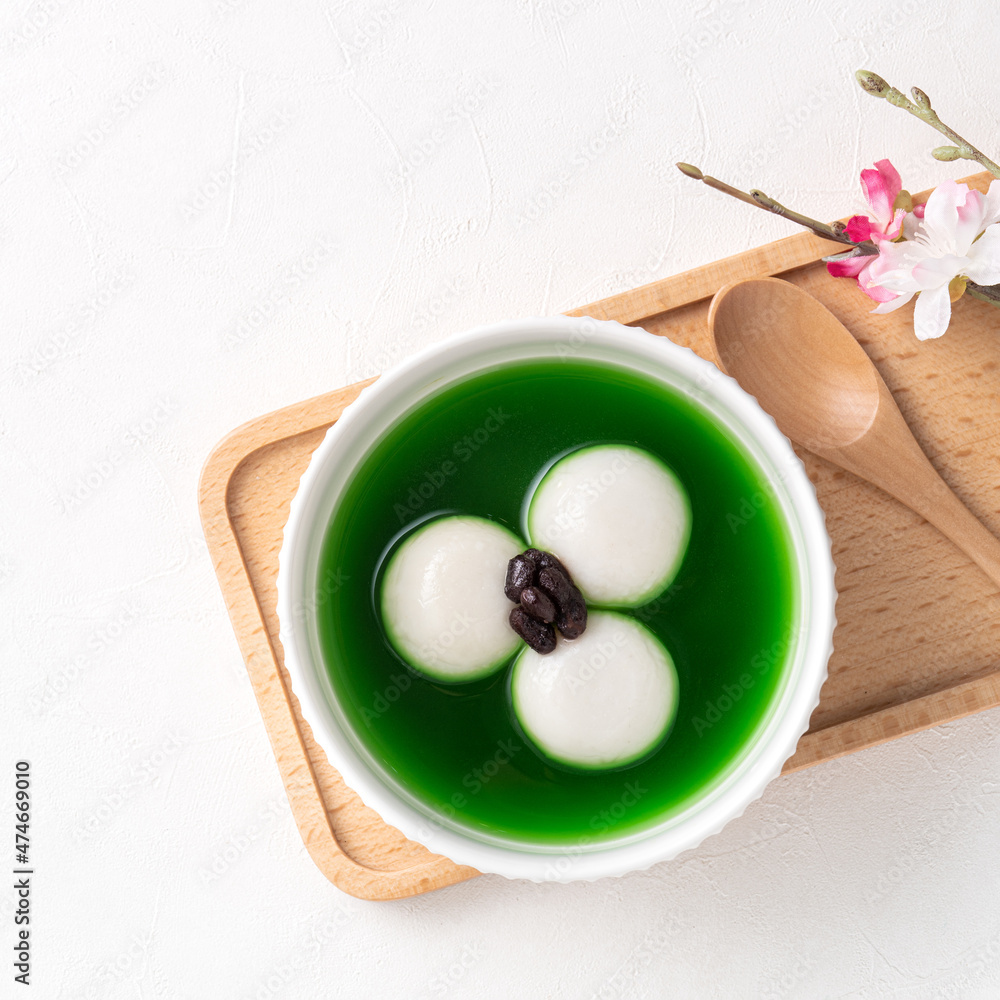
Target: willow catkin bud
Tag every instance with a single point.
(872, 83)
(690, 171)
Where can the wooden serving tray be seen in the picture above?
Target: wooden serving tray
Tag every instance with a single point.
(918, 639)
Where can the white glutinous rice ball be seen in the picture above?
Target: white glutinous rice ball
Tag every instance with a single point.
(600, 701)
(443, 605)
(617, 517)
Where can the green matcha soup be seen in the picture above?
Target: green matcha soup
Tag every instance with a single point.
(477, 448)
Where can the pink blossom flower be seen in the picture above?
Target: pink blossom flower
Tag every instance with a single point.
(958, 237)
(860, 267)
(881, 187)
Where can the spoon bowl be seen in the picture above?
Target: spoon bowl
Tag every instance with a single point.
(795, 356)
(807, 370)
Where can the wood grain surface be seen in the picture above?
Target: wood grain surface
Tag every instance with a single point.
(918, 635)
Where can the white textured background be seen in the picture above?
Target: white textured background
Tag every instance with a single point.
(212, 208)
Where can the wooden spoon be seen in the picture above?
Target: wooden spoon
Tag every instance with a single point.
(814, 378)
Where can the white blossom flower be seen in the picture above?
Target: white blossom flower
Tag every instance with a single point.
(958, 239)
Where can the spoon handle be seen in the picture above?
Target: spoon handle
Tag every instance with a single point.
(891, 457)
(939, 505)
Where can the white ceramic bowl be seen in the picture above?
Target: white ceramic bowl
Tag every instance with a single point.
(396, 393)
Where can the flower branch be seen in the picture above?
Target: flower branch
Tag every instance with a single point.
(920, 107)
(836, 231)
(985, 293)
(935, 252)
